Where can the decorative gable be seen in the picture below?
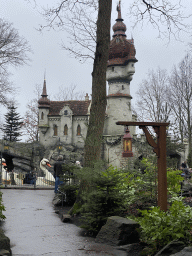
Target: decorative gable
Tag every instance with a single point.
(66, 111)
(78, 108)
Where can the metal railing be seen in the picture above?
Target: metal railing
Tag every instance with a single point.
(24, 179)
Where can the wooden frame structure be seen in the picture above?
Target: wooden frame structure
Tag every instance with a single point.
(159, 148)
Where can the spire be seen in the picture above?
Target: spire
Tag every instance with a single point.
(119, 18)
(119, 28)
(44, 93)
(44, 101)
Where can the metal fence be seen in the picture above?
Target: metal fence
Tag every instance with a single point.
(24, 179)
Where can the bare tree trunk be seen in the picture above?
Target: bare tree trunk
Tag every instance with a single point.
(98, 107)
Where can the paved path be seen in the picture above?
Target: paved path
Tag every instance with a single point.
(34, 229)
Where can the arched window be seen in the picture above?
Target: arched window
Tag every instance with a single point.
(78, 130)
(65, 130)
(55, 130)
(42, 115)
(65, 112)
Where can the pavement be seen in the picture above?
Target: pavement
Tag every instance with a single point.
(35, 229)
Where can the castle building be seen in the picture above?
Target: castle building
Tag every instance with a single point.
(67, 121)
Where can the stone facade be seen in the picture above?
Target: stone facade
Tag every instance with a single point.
(63, 121)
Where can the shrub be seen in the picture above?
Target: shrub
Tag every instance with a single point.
(2, 208)
(70, 184)
(159, 228)
(103, 195)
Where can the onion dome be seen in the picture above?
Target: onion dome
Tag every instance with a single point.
(121, 50)
(44, 102)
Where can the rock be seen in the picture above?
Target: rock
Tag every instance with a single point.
(4, 252)
(4, 243)
(118, 231)
(57, 201)
(131, 249)
(171, 248)
(187, 251)
(66, 218)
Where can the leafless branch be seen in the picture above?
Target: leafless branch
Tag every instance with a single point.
(164, 16)
(13, 48)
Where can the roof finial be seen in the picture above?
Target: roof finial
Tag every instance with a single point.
(44, 74)
(119, 11)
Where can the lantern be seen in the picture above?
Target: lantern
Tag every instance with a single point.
(127, 144)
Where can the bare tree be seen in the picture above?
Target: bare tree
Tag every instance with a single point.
(152, 103)
(13, 51)
(5, 88)
(69, 93)
(13, 48)
(156, 12)
(30, 123)
(78, 18)
(181, 97)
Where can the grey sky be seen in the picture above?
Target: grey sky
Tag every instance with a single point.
(61, 69)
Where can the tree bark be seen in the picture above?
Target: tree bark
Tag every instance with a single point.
(97, 113)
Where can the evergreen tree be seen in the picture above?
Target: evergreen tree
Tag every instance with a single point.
(12, 125)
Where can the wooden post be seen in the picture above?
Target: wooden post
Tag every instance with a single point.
(162, 168)
(160, 150)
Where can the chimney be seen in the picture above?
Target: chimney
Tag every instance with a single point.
(86, 97)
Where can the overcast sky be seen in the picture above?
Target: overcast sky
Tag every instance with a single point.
(62, 70)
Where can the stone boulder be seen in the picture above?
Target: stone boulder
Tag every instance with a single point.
(171, 248)
(4, 243)
(57, 201)
(187, 251)
(118, 231)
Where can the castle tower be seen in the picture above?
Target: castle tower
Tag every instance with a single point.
(120, 70)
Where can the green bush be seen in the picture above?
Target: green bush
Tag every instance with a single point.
(70, 184)
(142, 188)
(2, 208)
(159, 228)
(103, 195)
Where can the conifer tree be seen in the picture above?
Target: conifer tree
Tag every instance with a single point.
(12, 125)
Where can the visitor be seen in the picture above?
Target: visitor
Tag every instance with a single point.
(184, 165)
(58, 172)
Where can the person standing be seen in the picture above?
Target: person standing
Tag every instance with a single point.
(58, 172)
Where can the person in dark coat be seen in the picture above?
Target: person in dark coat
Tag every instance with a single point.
(58, 172)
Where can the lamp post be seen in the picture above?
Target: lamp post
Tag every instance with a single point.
(59, 146)
(159, 147)
(127, 144)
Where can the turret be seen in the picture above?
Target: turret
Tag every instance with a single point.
(120, 71)
(44, 105)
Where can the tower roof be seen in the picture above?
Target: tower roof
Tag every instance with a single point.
(44, 102)
(121, 50)
(119, 27)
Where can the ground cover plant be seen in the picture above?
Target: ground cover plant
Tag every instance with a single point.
(158, 228)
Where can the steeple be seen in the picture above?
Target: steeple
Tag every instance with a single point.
(44, 102)
(119, 28)
(44, 93)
